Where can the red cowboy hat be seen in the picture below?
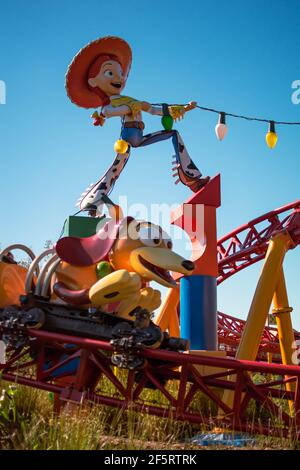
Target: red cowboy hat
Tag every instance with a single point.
(77, 86)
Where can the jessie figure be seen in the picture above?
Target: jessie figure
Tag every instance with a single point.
(95, 79)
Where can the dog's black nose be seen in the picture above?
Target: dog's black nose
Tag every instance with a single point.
(189, 265)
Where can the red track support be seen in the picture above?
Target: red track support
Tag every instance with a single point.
(248, 244)
(242, 248)
(180, 400)
(230, 331)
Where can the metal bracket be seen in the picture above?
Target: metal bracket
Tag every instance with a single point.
(279, 311)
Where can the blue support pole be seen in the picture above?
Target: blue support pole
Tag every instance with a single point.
(198, 311)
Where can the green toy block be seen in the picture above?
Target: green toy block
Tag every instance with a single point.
(77, 226)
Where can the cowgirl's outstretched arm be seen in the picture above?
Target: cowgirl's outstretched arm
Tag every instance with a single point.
(110, 111)
(155, 110)
(158, 110)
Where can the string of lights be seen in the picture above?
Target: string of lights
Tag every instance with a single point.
(249, 118)
(221, 127)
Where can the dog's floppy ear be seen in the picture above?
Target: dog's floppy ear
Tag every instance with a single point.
(88, 251)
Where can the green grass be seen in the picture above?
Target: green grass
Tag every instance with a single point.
(27, 422)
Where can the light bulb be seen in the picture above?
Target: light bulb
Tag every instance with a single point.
(221, 128)
(271, 137)
(121, 146)
(166, 120)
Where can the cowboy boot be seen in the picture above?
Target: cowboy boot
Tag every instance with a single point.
(190, 177)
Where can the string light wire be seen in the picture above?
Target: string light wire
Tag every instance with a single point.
(238, 116)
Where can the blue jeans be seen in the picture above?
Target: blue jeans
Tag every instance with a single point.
(185, 169)
(135, 138)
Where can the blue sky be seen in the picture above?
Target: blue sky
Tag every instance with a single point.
(238, 56)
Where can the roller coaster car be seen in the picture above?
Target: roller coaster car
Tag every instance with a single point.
(20, 313)
(78, 298)
(127, 337)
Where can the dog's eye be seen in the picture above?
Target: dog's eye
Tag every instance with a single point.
(150, 235)
(169, 244)
(150, 241)
(167, 240)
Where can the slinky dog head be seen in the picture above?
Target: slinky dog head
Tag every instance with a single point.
(140, 247)
(144, 248)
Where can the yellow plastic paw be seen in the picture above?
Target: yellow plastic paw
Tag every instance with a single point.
(147, 298)
(128, 305)
(150, 299)
(115, 287)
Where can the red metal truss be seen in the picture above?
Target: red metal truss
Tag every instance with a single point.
(243, 247)
(189, 373)
(230, 330)
(248, 244)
